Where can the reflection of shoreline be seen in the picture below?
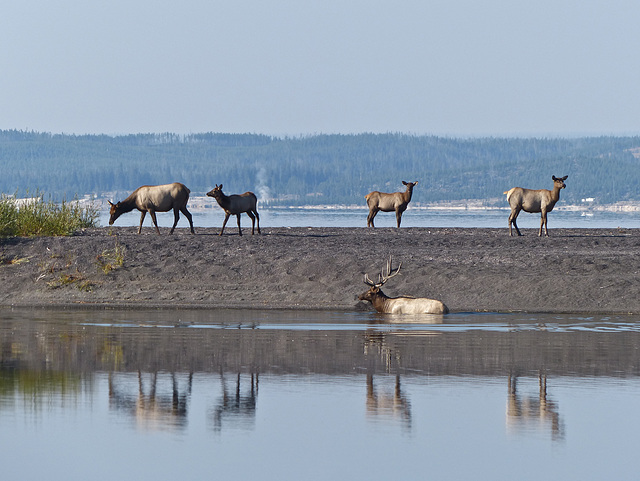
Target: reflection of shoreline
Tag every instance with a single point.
(145, 340)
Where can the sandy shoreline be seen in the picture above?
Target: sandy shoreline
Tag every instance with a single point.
(574, 270)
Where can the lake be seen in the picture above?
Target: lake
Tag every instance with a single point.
(317, 395)
(300, 217)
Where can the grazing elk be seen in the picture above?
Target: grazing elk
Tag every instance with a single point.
(397, 201)
(398, 305)
(152, 199)
(235, 205)
(541, 200)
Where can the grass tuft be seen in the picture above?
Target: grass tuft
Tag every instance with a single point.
(111, 259)
(39, 217)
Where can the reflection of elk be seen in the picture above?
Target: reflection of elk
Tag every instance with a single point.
(152, 199)
(241, 407)
(236, 204)
(398, 305)
(523, 410)
(382, 403)
(152, 409)
(381, 201)
(528, 200)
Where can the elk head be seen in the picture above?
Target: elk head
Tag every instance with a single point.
(559, 182)
(216, 192)
(114, 212)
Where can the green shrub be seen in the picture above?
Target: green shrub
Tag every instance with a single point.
(38, 217)
(111, 259)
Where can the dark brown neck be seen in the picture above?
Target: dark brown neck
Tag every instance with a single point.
(223, 201)
(379, 300)
(407, 194)
(128, 204)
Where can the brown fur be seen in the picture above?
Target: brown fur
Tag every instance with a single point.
(152, 199)
(397, 201)
(236, 204)
(541, 200)
(398, 305)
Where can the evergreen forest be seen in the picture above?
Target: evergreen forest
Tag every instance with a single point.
(319, 169)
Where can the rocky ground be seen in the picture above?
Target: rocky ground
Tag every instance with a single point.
(574, 270)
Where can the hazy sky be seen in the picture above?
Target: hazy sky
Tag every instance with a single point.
(289, 67)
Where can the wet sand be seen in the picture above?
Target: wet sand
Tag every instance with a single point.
(573, 270)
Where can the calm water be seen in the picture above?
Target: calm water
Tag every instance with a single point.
(411, 218)
(282, 395)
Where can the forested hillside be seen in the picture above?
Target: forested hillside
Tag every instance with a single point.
(319, 169)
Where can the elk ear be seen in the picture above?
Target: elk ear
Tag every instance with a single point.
(404, 183)
(110, 203)
(220, 187)
(554, 178)
(565, 177)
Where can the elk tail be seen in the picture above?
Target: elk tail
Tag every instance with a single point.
(508, 193)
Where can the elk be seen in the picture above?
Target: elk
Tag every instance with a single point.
(236, 204)
(397, 201)
(398, 305)
(541, 200)
(152, 199)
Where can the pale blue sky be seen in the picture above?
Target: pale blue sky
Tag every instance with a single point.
(290, 67)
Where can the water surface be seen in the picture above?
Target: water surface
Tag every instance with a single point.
(347, 217)
(235, 394)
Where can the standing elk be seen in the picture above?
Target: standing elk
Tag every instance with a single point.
(398, 305)
(152, 199)
(541, 200)
(235, 205)
(397, 201)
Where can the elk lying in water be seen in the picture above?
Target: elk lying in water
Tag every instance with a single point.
(541, 200)
(235, 205)
(398, 305)
(397, 201)
(152, 199)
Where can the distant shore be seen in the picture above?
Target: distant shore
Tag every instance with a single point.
(475, 269)
(204, 203)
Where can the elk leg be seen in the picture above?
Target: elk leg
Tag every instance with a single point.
(543, 222)
(398, 217)
(155, 222)
(239, 229)
(257, 219)
(189, 217)
(226, 218)
(176, 216)
(144, 213)
(512, 219)
(372, 214)
(253, 221)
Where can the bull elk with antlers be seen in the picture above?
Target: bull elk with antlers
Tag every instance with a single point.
(398, 305)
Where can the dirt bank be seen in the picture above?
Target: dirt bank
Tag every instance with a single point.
(574, 270)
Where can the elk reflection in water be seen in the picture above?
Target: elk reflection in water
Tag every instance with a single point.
(153, 408)
(385, 404)
(238, 408)
(526, 411)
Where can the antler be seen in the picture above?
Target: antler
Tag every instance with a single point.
(383, 277)
(390, 272)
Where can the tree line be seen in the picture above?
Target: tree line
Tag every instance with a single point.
(319, 169)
